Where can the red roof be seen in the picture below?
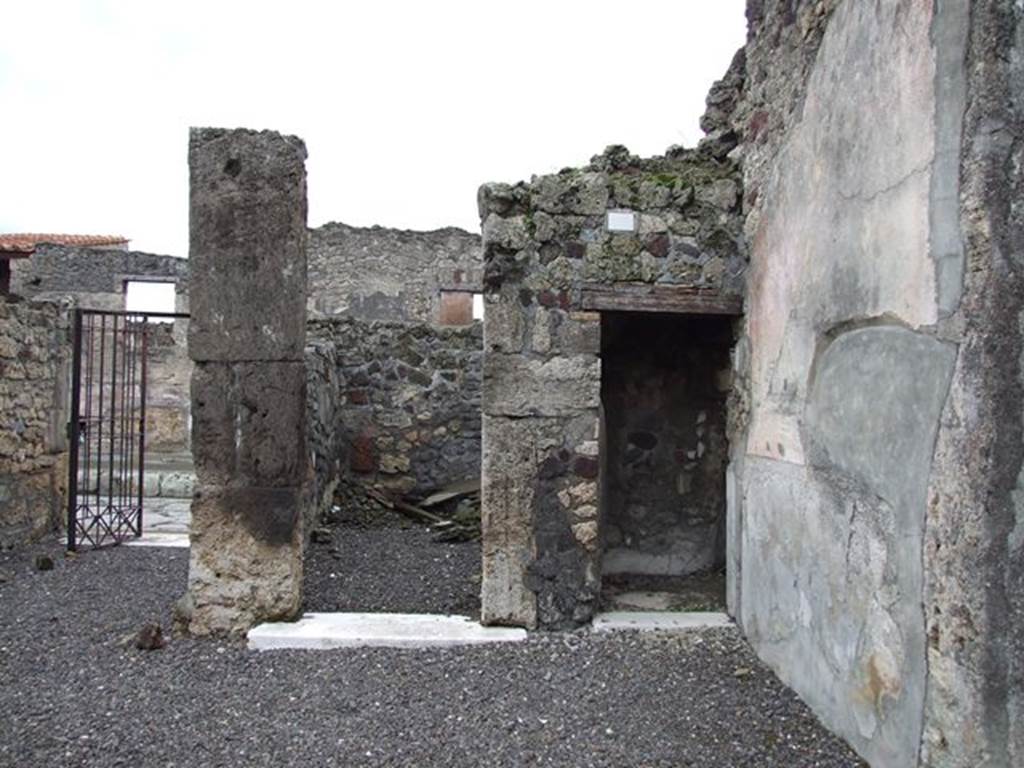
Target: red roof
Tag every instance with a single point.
(27, 242)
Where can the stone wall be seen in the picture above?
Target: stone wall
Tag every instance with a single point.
(409, 401)
(974, 534)
(168, 371)
(34, 362)
(326, 448)
(95, 277)
(372, 273)
(551, 256)
(881, 409)
(377, 273)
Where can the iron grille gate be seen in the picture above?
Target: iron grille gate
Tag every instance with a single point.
(107, 430)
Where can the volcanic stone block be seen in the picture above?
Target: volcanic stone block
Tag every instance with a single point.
(30, 503)
(584, 193)
(504, 324)
(515, 385)
(509, 475)
(247, 245)
(249, 424)
(580, 333)
(246, 559)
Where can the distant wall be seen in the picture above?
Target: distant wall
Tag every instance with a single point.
(409, 406)
(95, 277)
(377, 273)
(34, 356)
(167, 395)
(371, 273)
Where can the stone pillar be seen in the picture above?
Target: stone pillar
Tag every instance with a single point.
(540, 402)
(247, 253)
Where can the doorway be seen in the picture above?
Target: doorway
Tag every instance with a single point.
(107, 426)
(665, 381)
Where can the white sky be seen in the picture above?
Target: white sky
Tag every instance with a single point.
(149, 297)
(405, 107)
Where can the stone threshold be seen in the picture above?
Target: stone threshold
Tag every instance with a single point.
(658, 621)
(175, 540)
(160, 540)
(323, 631)
(326, 631)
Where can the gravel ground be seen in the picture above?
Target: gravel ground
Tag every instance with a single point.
(73, 693)
(391, 567)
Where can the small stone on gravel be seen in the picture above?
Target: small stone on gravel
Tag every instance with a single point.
(150, 638)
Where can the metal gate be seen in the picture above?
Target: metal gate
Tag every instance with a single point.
(107, 430)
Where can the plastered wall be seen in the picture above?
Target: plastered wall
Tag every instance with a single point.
(871, 490)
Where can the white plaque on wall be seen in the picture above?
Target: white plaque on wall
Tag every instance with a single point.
(621, 221)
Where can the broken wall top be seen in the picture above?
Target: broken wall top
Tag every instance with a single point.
(552, 234)
(380, 273)
(95, 277)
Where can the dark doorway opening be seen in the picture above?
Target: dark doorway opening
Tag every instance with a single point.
(664, 385)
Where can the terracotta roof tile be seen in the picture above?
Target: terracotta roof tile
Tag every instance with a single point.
(26, 242)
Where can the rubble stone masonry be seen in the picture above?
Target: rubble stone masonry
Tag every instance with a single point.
(93, 278)
(378, 273)
(35, 353)
(546, 244)
(408, 417)
(326, 447)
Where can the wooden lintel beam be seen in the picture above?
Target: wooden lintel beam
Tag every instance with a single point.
(686, 301)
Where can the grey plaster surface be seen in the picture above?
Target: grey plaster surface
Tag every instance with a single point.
(872, 420)
(949, 35)
(873, 413)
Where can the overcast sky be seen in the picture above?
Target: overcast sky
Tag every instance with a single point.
(406, 107)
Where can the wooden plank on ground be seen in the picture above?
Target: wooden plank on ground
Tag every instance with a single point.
(454, 490)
